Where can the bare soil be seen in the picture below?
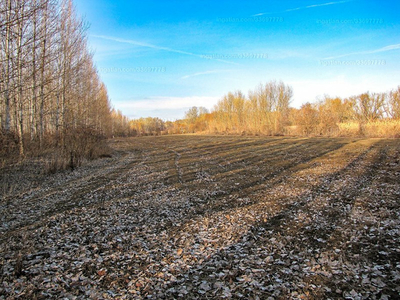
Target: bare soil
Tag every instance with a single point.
(207, 217)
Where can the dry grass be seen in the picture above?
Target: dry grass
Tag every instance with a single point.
(382, 129)
(55, 152)
(349, 129)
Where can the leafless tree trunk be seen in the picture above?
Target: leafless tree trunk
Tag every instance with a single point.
(7, 61)
(48, 82)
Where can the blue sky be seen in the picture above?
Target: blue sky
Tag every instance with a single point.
(159, 58)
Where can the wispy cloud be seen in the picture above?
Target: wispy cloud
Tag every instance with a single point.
(150, 103)
(302, 7)
(335, 85)
(384, 49)
(147, 45)
(167, 108)
(205, 73)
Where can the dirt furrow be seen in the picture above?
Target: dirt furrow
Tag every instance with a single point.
(283, 218)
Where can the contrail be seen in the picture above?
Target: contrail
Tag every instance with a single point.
(302, 7)
(384, 49)
(141, 44)
(205, 73)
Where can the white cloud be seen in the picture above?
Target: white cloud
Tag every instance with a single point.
(341, 86)
(384, 49)
(169, 108)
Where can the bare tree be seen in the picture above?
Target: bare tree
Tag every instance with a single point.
(7, 20)
(368, 107)
(48, 81)
(392, 105)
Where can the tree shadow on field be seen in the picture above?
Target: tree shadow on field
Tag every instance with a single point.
(272, 176)
(300, 231)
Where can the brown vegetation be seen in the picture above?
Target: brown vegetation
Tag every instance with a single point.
(267, 111)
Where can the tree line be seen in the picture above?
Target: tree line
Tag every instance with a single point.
(50, 91)
(51, 96)
(267, 110)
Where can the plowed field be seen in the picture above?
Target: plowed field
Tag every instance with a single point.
(208, 217)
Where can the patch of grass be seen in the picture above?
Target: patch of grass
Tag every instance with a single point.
(377, 129)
